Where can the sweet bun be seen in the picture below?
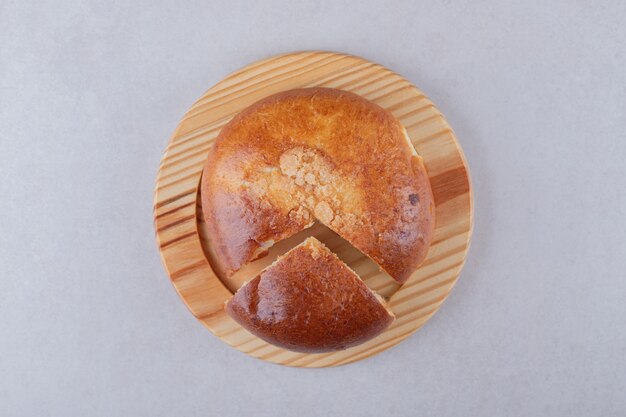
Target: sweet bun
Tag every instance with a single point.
(317, 154)
(309, 301)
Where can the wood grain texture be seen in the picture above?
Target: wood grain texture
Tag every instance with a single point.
(181, 234)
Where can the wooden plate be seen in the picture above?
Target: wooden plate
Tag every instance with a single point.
(180, 229)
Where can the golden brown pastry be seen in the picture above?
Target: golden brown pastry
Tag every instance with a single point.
(320, 154)
(309, 301)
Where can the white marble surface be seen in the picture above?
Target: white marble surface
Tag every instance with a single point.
(89, 94)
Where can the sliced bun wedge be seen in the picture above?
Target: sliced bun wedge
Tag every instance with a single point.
(310, 301)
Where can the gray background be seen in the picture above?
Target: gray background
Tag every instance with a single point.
(89, 94)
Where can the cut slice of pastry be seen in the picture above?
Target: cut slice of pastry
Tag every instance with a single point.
(324, 154)
(310, 301)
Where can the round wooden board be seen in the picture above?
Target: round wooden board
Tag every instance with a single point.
(180, 229)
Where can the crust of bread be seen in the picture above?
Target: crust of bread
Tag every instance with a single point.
(323, 154)
(310, 301)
